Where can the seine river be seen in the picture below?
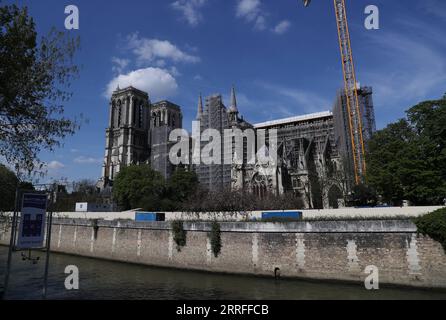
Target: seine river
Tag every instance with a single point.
(112, 280)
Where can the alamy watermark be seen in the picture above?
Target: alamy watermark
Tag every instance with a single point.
(372, 20)
(371, 282)
(72, 280)
(72, 20)
(233, 147)
(370, 23)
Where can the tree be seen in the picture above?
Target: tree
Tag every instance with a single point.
(139, 186)
(26, 186)
(8, 185)
(85, 187)
(387, 149)
(407, 159)
(82, 191)
(182, 184)
(34, 78)
(433, 225)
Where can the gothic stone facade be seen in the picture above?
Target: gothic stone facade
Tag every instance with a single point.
(165, 117)
(309, 165)
(137, 133)
(313, 161)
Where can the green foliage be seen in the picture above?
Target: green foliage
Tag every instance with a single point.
(364, 195)
(181, 185)
(433, 225)
(179, 234)
(215, 237)
(26, 186)
(83, 191)
(35, 75)
(139, 186)
(8, 185)
(142, 187)
(407, 159)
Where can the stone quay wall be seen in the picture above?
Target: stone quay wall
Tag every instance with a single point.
(343, 213)
(324, 250)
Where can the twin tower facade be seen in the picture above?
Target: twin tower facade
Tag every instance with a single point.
(138, 133)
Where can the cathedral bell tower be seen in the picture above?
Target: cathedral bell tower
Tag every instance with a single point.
(165, 117)
(127, 133)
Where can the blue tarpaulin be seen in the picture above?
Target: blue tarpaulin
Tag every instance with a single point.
(149, 216)
(280, 214)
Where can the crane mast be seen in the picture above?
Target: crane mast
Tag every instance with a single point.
(351, 90)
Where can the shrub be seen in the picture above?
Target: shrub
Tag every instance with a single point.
(179, 234)
(433, 225)
(215, 236)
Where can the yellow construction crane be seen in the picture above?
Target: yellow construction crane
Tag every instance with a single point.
(351, 90)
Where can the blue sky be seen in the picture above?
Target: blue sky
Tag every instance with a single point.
(282, 58)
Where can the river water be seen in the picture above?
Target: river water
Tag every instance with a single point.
(100, 279)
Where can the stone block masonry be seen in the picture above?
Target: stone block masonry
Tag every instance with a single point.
(338, 214)
(325, 250)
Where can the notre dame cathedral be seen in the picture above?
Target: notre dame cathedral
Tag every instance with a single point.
(137, 133)
(314, 150)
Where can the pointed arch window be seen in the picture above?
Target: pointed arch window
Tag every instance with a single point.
(113, 112)
(154, 119)
(119, 114)
(140, 115)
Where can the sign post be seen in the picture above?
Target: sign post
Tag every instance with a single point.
(48, 247)
(32, 221)
(30, 233)
(11, 242)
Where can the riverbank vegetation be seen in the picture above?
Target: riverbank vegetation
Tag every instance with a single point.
(433, 225)
(407, 159)
(215, 238)
(142, 187)
(179, 234)
(8, 184)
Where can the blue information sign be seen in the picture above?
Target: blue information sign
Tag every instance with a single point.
(32, 222)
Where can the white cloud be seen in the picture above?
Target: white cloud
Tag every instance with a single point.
(55, 165)
(119, 65)
(190, 9)
(174, 71)
(159, 83)
(282, 27)
(87, 160)
(251, 11)
(157, 51)
(248, 8)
